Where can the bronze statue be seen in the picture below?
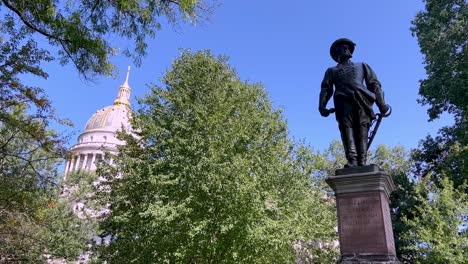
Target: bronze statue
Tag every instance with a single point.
(353, 100)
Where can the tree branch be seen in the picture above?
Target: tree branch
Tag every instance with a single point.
(28, 23)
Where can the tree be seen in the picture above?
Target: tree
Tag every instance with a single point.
(34, 221)
(442, 32)
(438, 231)
(209, 175)
(34, 32)
(78, 31)
(395, 161)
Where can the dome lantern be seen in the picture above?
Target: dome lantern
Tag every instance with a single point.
(123, 97)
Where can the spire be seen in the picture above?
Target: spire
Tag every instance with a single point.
(123, 97)
(126, 79)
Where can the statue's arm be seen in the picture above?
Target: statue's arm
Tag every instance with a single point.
(326, 92)
(373, 84)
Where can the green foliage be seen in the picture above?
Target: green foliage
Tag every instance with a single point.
(81, 29)
(27, 169)
(212, 177)
(436, 216)
(29, 156)
(440, 156)
(442, 31)
(33, 219)
(393, 160)
(49, 230)
(62, 235)
(328, 161)
(78, 31)
(438, 229)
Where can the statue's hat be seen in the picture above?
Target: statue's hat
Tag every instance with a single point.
(338, 42)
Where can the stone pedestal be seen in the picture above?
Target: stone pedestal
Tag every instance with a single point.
(364, 223)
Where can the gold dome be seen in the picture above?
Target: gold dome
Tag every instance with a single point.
(110, 118)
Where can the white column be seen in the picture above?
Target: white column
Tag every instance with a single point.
(65, 170)
(73, 164)
(85, 161)
(78, 162)
(93, 166)
(70, 165)
(65, 167)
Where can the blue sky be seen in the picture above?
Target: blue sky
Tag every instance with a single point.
(285, 46)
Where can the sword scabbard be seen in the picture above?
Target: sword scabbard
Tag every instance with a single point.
(373, 132)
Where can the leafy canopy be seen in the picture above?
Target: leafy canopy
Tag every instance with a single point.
(36, 32)
(212, 177)
(438, 233)
(34, 221)
(81, 29)
(442, 32)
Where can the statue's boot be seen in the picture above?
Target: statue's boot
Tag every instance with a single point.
(362, 145)
(347, 137)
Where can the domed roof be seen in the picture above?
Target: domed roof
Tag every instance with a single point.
(111, 118)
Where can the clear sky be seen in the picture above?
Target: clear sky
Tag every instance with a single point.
(285, 46)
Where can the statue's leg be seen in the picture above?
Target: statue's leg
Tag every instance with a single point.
(361, 144)
(347, 137)
(362, 123)
(344, 116)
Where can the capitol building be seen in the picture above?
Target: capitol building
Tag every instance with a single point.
(97, 138)
(99, 135)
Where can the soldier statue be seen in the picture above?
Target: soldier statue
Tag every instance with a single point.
(356, 90)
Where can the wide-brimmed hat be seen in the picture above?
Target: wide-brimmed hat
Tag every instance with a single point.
(338, 42)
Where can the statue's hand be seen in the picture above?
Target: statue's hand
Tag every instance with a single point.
(384, 109)
(324, 112)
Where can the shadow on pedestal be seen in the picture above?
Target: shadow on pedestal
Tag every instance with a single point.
(364, 223)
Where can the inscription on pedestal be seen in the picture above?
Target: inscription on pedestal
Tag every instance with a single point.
(361, 224)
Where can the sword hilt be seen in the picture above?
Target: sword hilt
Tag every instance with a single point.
(388, 113)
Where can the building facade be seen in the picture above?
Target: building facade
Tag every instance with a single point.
(99, 135)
